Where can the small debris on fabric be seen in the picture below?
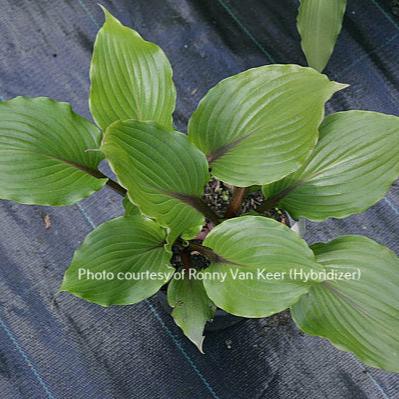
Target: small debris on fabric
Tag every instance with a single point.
(228, 343)
(47, 221)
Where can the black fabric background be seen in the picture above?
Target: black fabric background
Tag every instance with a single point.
(67, 348)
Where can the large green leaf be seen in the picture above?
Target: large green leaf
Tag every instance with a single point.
(192, 307)
(262, 124)
(162, 171)
(130, 77)
(360, 315)
(253, 244)
(44, 153)
(128, 257)
(319, 23)
(353, 166)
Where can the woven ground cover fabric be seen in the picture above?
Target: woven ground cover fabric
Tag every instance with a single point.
(58, 346)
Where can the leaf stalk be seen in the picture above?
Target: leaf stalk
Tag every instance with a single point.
(236, 201)
(205, 251)
(198, 204)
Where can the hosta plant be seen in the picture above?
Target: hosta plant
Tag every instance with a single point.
(195, 221)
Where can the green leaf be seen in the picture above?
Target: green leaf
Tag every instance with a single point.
(319, 23)
(353, 166)
(262, 124)
(130, 209)
(45, 156)
(192, 307)
(130, 77)
(122, 253)
(356, 315)
(162, 171)
(256, 245)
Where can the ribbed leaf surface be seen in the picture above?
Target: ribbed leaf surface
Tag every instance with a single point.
(319, 23)
(161, 170)
(130, 77)
(356, 315)
(121, 246)
(353, 166)
(192, 307)
(262, 124)
(44, 157)
(252, 244)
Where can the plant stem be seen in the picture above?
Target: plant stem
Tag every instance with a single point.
(272, 202)
(99, 175)
(205, 251)
(110, 183)
(207, 212)
(198, 204)
(116, 187)
(186, 258)
(235, 203)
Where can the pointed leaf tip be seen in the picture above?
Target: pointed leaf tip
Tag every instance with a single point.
(319, 23)
(137, 84)
(339, 86)
(107, 15)
(192, 308)
(243, 149)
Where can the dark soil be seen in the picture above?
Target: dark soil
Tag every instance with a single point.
(218, 196)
